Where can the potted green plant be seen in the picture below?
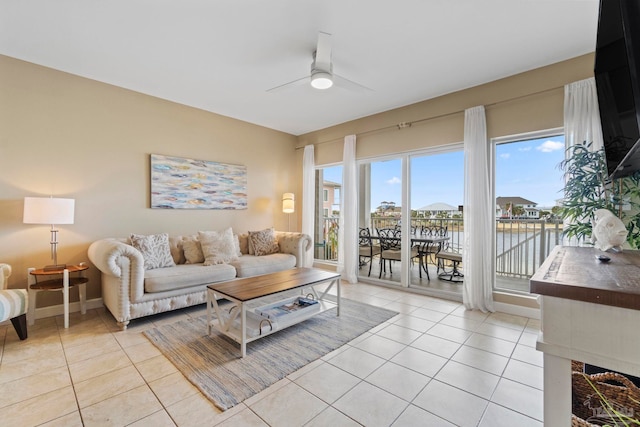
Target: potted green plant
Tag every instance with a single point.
(587, 189)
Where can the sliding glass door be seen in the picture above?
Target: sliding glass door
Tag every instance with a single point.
(410, 207)
(436, 195)
(380, 219)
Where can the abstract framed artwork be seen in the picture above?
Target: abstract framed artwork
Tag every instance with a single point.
(180, 183)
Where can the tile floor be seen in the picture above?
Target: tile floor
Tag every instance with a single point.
(434, 364)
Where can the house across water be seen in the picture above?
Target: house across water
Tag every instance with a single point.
(516, 207)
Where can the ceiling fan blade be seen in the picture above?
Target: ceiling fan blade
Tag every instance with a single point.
(286, 86)
(350, 84)
(323, 52)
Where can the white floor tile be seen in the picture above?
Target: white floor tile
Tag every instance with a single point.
(414, 416)
(331, 417)
(520, 398)
(420, 361)
(507, 320)
(461, 322)
(357, 362)
(450, 333)
(436, 345)
(426, 314)
(528, 354)
(371, 406)
(495, 331)
(411, 370)
(289, 406)
(380, 346)
(327, 382)
(415, 323)
(452, 404)
(480, 359)
(402, 334)
(498, 416)
(490, 344)
(524, 373)
(469, 379)
(398, 380)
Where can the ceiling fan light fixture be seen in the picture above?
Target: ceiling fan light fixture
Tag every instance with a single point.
(321, 80)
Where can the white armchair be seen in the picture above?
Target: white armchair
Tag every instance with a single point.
(13, 303)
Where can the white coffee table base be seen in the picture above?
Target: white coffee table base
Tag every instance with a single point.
(238, 331)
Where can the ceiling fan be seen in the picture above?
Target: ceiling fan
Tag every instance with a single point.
(322, 76)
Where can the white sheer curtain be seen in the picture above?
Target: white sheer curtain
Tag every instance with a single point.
(581, 115)
(477, 254)
(348, 230)
(308, 199)
(581, 123)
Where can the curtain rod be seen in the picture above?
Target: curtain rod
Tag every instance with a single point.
(403, 125)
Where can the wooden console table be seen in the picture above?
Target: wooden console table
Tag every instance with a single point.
(591, 313)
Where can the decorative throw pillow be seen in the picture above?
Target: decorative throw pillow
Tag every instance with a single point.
(264, 242)
(236, 242)
(175, 246)
(218, 247)
(155, 250)
(193, 251)
(243, 240)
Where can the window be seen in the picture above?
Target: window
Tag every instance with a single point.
(528, 188)
(328, 185)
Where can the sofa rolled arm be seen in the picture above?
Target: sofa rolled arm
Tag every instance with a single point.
(105, 254)
(294, 243)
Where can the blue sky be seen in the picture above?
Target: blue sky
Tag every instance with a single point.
(526, 169)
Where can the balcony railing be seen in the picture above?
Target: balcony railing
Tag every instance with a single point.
(521, 244)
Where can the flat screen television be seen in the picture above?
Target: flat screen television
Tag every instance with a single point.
(617, 62)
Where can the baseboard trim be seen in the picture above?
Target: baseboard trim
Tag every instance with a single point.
(58, 310)
(517, 310)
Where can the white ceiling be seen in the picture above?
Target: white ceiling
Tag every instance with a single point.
(223, 55)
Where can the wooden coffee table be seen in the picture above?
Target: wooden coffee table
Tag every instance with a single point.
(234, 322)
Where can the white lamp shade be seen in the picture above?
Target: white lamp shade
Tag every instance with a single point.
(48, 210)
(288, 203)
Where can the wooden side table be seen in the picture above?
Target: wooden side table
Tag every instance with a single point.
(57, 280)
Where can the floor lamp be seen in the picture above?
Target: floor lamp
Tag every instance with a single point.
(49, 210)
(288, 206)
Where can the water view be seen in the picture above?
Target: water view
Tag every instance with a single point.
(528, 188)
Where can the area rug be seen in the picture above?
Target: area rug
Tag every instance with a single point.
(213, 365)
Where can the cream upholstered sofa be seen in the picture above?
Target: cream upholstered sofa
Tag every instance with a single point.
(130, 291)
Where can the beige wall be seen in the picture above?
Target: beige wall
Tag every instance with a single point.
(68, 136)
(73, 137)
(526, 102)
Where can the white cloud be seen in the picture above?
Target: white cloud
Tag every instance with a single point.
(394, 180)
(524, 149)
(505, 156)
(549, 146)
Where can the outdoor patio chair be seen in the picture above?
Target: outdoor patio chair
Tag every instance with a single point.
(391, 249)
(429, 250)
(367, 249)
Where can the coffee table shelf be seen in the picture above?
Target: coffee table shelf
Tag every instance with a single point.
(258, 326)
(243, 325)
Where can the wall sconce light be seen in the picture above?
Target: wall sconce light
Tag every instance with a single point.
(288, 206)
(49, 210)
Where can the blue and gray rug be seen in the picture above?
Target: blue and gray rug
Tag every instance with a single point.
(212, 363)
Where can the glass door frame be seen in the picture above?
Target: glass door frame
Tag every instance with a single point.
(494, 142)
(405, 215)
